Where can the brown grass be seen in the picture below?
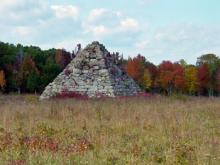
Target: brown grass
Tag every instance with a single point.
(155, 130)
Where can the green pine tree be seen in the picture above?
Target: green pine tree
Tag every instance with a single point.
(33, 82)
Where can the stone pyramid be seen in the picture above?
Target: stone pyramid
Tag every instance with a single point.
(93, 73)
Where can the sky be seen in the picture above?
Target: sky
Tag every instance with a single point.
(157, 29)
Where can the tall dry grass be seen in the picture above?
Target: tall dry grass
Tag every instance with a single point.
(154, 130)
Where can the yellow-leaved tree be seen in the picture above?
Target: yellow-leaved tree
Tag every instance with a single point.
(191, 73)
(146, 80)
(2, 79)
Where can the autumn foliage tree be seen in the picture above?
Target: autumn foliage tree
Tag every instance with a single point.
(218, 81)
(179, 77)
(21, 71)
(153, 71)
(62, 58)
(135, 67)
(203, 78)
(27, 67)
(191, 79)
(146, 80)
(2, 79)
(171, 77)
(166, 75)
(212, 62)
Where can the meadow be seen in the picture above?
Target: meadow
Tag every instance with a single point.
(153, 130)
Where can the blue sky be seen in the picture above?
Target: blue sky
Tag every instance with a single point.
(158, 29)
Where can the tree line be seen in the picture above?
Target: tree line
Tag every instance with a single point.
(203, 78)
(28, 69)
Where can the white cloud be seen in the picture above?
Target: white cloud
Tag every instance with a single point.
(100, 30)
(99, 22)
(22, 12)
(96, 13)
(96, 30)
(23, 31)
(21, 6)
(65, 11)
(103, 22)
(36, 23)
(5, 4)
(129, 24)
(180, 41)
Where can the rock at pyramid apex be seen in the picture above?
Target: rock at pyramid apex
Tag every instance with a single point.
(92, 73)
(95, 43)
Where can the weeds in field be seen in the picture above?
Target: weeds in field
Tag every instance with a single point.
(138, 130)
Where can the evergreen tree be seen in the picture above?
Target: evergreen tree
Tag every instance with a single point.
(50, 71)
(33, 82)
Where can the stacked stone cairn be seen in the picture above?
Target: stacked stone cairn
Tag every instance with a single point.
(94, 72)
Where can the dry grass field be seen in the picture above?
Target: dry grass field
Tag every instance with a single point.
(154, 130)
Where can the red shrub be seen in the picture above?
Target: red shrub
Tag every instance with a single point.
(40, 143)
(79, 147)
(138, 95)
(17, 162)
(65, 95)
(6, 141)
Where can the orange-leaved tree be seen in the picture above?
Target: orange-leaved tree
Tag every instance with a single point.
(2, 79)
(135, 67)
(171, 76)
(166, 76)
(179, 77)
